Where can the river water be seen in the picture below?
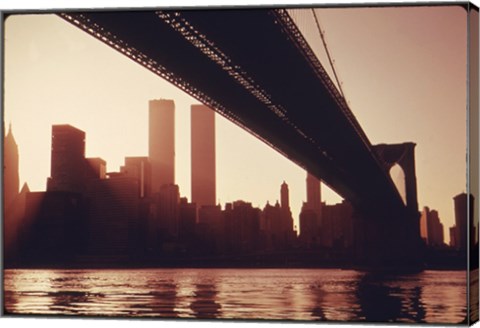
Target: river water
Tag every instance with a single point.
(278, 294)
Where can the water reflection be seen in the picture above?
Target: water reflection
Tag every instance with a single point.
(205, 305)
(326, 295)
(444, 296)
(318, 299)
(164, 299)
(335, 287)
(379, 302)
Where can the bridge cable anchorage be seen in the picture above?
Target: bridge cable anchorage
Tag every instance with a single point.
(322, 36)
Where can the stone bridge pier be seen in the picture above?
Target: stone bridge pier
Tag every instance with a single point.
(392, 240)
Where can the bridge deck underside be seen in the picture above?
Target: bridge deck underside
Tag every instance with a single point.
(245, 65)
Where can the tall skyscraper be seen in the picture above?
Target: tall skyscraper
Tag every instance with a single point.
(463, 217)
(10, 166)
(68, 165)
(161, 142)
(287, 219)
(203, 156)
(314, 194)
(284, 196)
(311, 214)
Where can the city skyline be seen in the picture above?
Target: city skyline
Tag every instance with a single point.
(35, 50)
(70, 167)
(88, 216)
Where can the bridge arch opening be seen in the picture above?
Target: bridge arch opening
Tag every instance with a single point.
(402, 157)
(398, 177)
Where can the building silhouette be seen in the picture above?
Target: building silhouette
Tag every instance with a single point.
(140, 169)
(168, 211)
(203, 156)
(309, 226)
(211, 227)
(242, 226)
(113, 217)
(14, 224)
(161, 142)
(54, 232)
(96, 168)
(311, 212)
(463, 205)
(288, 233)
(314, 195)
(187, 220)
(271, 227)
(67, 159)
(284, 197)
(431, 229)
(11, 181)
(337, 230)
(453, 237)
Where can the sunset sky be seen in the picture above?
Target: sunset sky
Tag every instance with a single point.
(403, 72)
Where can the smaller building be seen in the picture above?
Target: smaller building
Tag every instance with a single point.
(431, 229)
(337, 226)
(453, 237)
(139, 168)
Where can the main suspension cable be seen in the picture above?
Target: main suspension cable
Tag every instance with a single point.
(328, 54)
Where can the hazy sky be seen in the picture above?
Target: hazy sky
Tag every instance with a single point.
(403, 72)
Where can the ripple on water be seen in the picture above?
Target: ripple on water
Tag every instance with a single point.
(313, 294)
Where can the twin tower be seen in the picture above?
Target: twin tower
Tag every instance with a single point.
(161, 149)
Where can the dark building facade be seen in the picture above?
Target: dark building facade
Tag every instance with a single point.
(113, 230)
(211, 228)
(55, 230)
(242, 226)
(463, 205)
(431, 229)
(168, 211)
(68, 166)
(311, 213)
(337, 230)
(309, 226)
(187, 220)
(271, 227)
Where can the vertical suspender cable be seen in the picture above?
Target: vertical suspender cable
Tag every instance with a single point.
(328, 53)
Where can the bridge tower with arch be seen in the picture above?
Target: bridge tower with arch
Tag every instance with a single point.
(402, 155)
